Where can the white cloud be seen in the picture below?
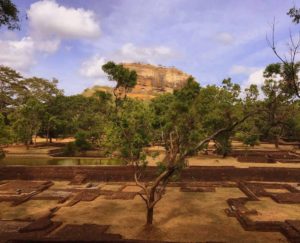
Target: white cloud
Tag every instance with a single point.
(49, 24)
(49, 19)
(130, 52)
(92, 68)
(17, 54)
(49, 46)
(256, 78)
(225, 38)
(20, 54)
(239, 69)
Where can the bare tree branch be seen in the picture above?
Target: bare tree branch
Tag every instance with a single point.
(290, 65)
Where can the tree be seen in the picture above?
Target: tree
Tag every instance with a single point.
(289, 65)
(17, 94)
(184, 122)
(9, 14)
(194, 117)
(125, 78)
(278, 105)
(56, 123)
(27, 120)
(249, 132)
(5, 135)
(10, 89)
(95, 119)
(85, 115)
(41, 89)
(294, 13)
(130, 131)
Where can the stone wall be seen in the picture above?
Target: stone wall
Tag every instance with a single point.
(125, 173)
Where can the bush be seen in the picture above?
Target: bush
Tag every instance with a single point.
(223, 145)
(81, 141)
(248, 139)
(70, 149)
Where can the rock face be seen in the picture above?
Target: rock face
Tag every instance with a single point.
(154, 80)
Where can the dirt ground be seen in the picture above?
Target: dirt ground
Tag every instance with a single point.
(268, 210)
(215, 160)
(179, 216)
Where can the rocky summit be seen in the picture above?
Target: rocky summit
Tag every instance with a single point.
(152, 81)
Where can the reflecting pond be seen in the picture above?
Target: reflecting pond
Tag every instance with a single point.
(60, 161)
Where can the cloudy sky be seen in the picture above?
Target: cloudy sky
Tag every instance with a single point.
(211, 40)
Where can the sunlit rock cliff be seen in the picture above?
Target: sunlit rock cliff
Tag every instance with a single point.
(152, 80)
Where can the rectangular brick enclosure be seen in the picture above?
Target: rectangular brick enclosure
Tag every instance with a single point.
(125, 173)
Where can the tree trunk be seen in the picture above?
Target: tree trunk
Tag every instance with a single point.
(150, 206)
(276, 142)
(150, 215)
(2, 154)
(48, 135)
(27, 145)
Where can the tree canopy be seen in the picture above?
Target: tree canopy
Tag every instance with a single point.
(125, 79)
(9, 15)
(294, 13)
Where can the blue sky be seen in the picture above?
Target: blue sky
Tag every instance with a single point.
(211, 40)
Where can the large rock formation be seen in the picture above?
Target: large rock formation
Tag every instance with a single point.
(152, 80)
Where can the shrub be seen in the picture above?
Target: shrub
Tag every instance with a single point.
(70, 149)
(81, 141)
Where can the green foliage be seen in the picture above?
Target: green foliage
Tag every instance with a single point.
(40, 89)
(290, 77)
(5, 136)
(9, 14)
(223, 144)
(126, 79)
(27, 120)
(192, 114)
(287, 74)
(81, 141)
(294, 13)
(123, 76)
(278, 105)
(219, 107)
(70, 149)
(5, 132)
(130, 130)
(252, 94)
(272, 70)
(10, 89)
(248, 138)
(81, 114)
